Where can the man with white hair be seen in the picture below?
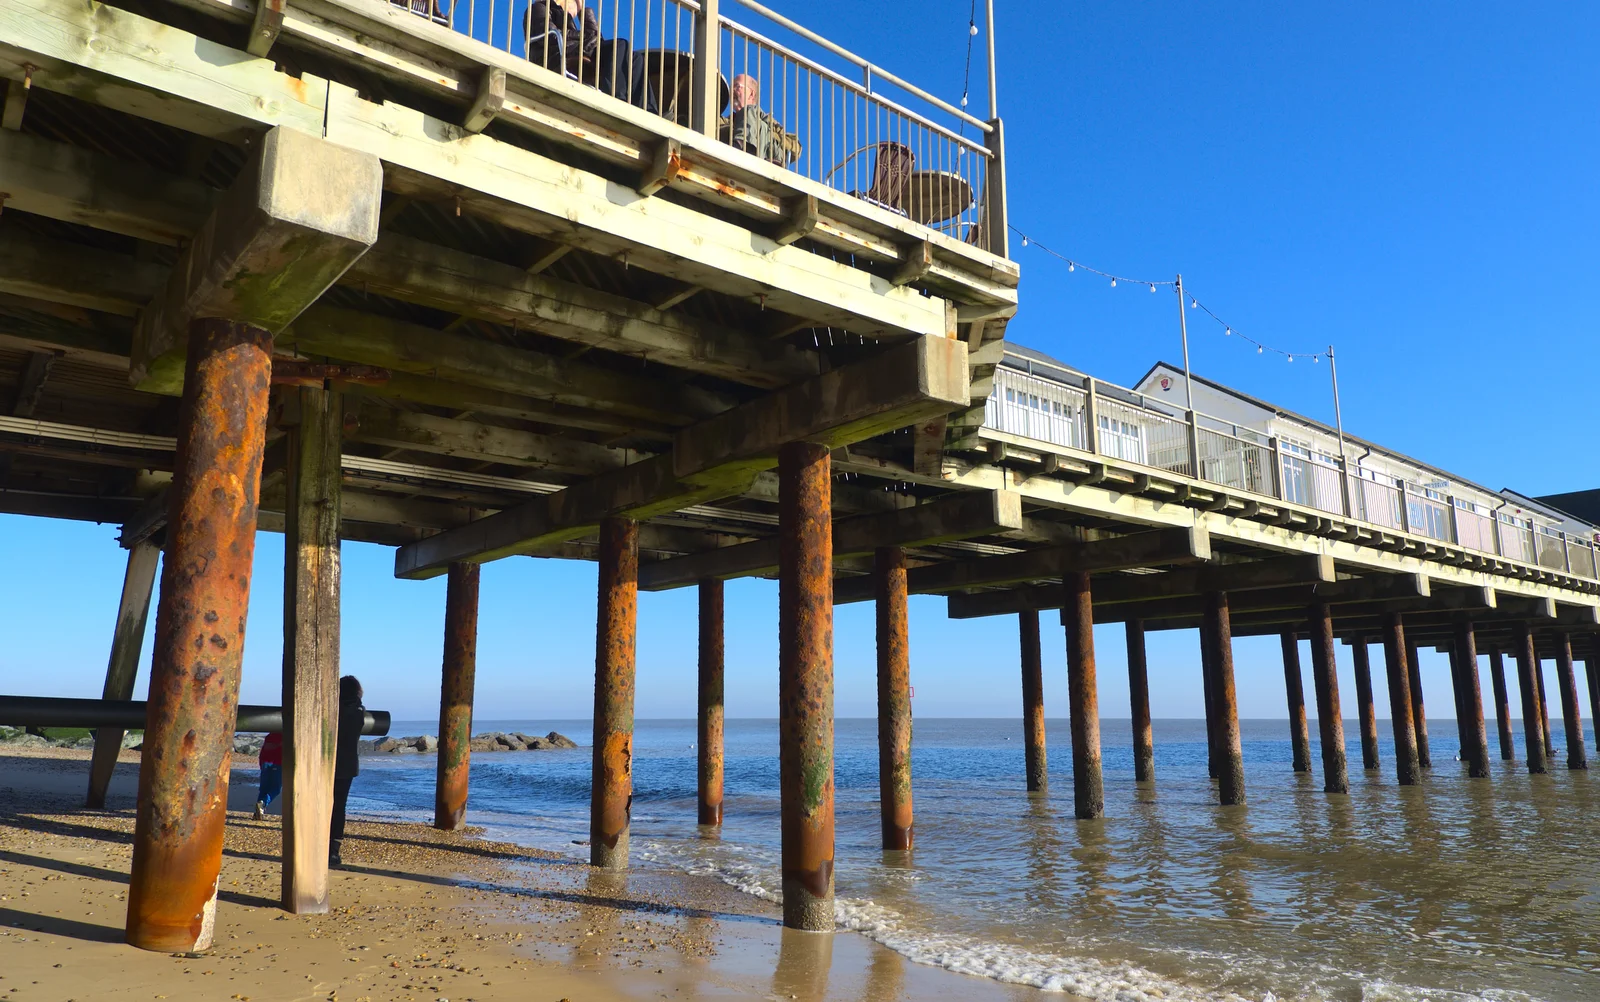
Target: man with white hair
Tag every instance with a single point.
(751, 129)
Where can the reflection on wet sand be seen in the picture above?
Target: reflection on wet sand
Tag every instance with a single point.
(804, 960)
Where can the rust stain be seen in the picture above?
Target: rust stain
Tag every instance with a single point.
(1033, 701)
(611, 789)
(894, 698)
(1083, 694)
(710, 737)
(455, 696)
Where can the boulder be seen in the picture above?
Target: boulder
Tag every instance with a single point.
(247, 744)
(427, 743)
(133, 740)
(560, 740)
(387, 746)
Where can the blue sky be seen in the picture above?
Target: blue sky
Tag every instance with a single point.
(1413, 186)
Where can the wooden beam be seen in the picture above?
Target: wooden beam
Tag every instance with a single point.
(299, 214)
(423, 389)
(1141, 549)
(419, 272)
(28, 325)
(488, 443)
(76, 275)
(122, 669)
(720, 457)
(31, 385)
(486, 104)
(957, 516)
(16, 101)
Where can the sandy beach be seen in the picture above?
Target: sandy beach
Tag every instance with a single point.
(417, 914)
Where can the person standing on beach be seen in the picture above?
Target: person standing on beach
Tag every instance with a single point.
(346, 758)
(271, 783)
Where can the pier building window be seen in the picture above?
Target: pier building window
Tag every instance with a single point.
(1121, 439)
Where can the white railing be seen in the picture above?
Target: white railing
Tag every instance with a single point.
(1136, 429)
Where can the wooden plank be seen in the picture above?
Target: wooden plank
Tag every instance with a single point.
(419, 272)
(959, 516)
(720, 457)
(122, 670)
(31, 385)
(310, 646)
(75, 275)
(29, 325)
(488, 443)
(299, 214)
(434, 392)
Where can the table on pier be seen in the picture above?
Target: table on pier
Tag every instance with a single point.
(670, 74)
(933, 196)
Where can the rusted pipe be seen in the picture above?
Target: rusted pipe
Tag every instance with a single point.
(1033, 702)
(1367, 712)
(1527, 667)
(1144, 751)
(1571, 716)
(1325, 678)
(894, 698)
(1293, 683)
(1591, 666)
(1408, 770)
(1475, 745)
(1224, 697)
(709, 714)
(1419, 713)
(1502, 704)
(459, 674)
(1544, 708)
(616, 626)
(199, 638)
(1208, 695)
(805, 683)
(1083, 694)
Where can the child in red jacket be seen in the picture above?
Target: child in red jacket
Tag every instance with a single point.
(271, 761)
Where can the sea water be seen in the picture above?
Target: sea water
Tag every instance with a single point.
(1455, 890)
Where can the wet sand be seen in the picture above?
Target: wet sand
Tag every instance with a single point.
(417, 914)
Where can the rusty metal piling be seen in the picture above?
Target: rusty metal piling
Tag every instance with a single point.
(1366, 711)
(1208, 695)
(1324, 673)
(1502, 704)
(1527, 668)
(1033, 701)
(1571, 716)
(1419, 713)
(1144, 752)
(616, 627)
(1408, 769)
(894, 698)
(1294, 685)
(1230, 749)
(805, 683)
(1083, 694)
(458, 679)
(1544, 709)
(709, 715)
(1475, 744)
(199, 638)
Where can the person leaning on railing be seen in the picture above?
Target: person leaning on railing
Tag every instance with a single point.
(565, 36)
(751, 129)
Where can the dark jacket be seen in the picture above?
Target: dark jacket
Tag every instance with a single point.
(346, 756)
(580, 39)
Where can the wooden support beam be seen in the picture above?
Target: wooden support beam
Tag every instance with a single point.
(16, 101)
(127, 639)
(265, 25)
(310, 645)
(958, 516)
(75, 275)
(486, 104)
(800, 221)
(34, 373)
(299, 214)
(720, 457)
(488, 443)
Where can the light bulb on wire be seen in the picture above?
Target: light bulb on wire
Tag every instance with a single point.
(1193, 303)
(1113, 283)
(1071, 266)
(1152, 287)
(1258, 349)
(972, 28)
(1227, 332)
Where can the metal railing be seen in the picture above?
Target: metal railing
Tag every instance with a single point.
(826, 117)
(1136, 429)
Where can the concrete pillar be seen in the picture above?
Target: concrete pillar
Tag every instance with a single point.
(894, 698)
(311, 575)
(710, 741)
(458, 678)
(1571, 716)
(1083, 693)
(1475, 744)
(616, 629)
(1325, 676)
(1502, 704)
(1224, 698)
(1033, 702)
(805, 683)
(133, 611)
(199, 639)
(1144, 751)
(1408, 770)
(1419, 714)
(1367, 712)
(1527, 667)
(1299, 731)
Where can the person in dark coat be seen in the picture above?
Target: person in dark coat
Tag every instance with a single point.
(346, 758)
(564, 35)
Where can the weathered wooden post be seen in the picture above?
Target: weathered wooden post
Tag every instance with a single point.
(1408, 770)
(1325, 679)
(1367, 711)
(1033, 702)
(1299, 730)
(894, 698)
(311, 575)
(1474, 743)
(710, 716)
(1224, 697)
(199, 641)
(805, 683)
(1502, 704)
(1571, 716)
(1419, 713)
(133, 611)
(1527, 666)
(1144, 752)
(1083, 693)
(616, 627)
(458, 679)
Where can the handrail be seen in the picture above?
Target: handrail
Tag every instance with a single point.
(871, 68)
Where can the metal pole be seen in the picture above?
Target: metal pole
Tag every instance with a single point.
(894, 698)
(1083, 697)
(458, 678)
(994, 100)
(616, 629)
(1033, 701)
(1338, 416)
(1183, 328)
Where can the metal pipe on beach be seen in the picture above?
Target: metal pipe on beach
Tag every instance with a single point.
(1144, 752)
(1367, 713)
(1294, 685)
(894, 698)
(616, 626)
(1419, 713)
(1225, 699)
(1324, 674)
(1033, 702)
(709, 715)
(1083, 695)
(1527, 667)
(1475, 744)
(1408, 770)
(1502, 704)
(458, 679)
(1571, 716)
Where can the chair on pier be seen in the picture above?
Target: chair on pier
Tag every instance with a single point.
(891, 176)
